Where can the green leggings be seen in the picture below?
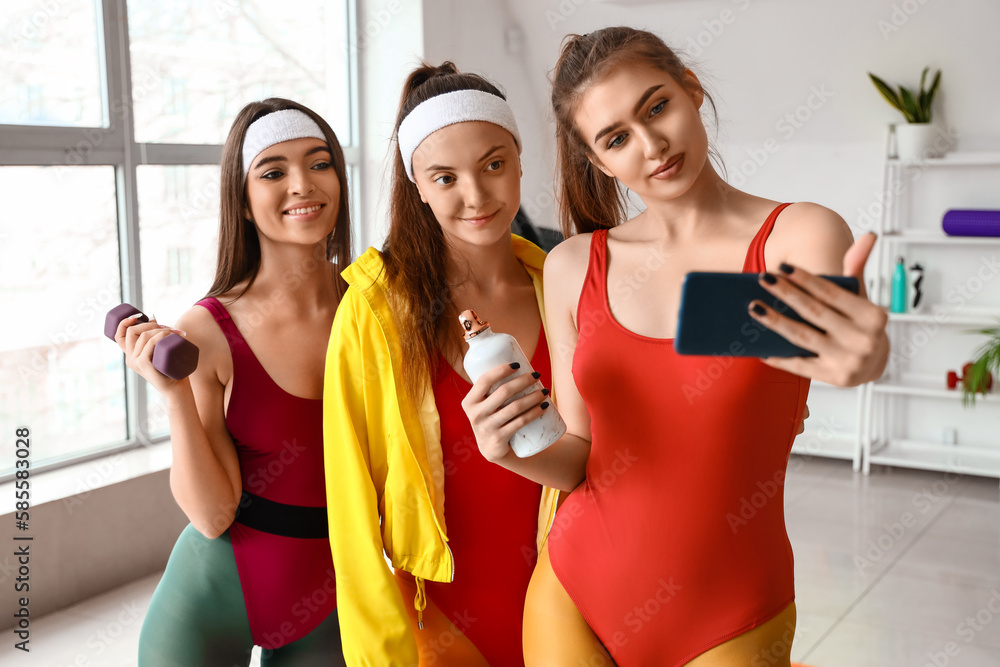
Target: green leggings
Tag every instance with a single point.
(197, 615)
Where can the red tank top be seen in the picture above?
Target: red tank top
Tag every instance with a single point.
(676, 541)
(492, 520)
(288, 582)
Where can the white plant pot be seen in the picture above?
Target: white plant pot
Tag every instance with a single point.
(918, 141)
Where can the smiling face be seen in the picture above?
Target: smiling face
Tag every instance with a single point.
(294, 192)
(470, 175)
(643, 127)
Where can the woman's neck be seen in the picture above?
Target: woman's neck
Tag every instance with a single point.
(484, 270)
(699, 211)
(299, 277)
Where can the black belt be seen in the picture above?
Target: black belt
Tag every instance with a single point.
(280, 519)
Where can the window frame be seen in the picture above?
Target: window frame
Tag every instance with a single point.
(115, 146)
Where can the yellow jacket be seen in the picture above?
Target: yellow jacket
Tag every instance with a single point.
(384, 470)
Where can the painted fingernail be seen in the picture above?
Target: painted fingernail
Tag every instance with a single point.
(544, 405)
(536, 375)
(787, 268)
(759, 309)
(515, 365)
(545, 392)
(768, 278)
(180, 331)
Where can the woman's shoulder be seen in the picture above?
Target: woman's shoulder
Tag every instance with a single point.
(199, 322)
(200, 327)
(810, 235)
(569, 253)
(807, 221)
(565, 271)
(810, 216)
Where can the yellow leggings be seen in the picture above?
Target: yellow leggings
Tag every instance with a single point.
(556, 634)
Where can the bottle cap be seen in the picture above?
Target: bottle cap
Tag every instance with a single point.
(470, 322)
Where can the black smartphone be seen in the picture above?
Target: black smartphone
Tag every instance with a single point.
(714, 318)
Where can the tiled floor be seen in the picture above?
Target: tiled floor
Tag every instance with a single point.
(901, 568)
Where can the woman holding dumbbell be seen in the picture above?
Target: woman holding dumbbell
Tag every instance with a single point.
(254, 566)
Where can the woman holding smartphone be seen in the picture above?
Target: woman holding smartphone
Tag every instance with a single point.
(649, 560)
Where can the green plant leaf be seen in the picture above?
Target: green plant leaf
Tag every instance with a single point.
(922, 94)
(887, 92)
(910, 108)
(987, 360)
(931, 92)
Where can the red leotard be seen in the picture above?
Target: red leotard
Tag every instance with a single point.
(288, 582)
(492, 521)
(676, 541)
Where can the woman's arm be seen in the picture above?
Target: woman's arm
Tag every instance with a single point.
(563, 465)
(375, 627)
(855, 348)
(205, 473)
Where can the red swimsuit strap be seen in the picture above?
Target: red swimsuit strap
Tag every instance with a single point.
(754, 262)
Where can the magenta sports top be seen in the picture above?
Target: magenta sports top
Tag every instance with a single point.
(288, 582)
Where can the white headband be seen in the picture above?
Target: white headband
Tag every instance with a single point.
(274, 128)
(440, 111)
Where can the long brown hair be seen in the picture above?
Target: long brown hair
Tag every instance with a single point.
(415, 248)
(239, 245)
(588, 198)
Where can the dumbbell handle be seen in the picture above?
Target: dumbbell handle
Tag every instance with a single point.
(174, 356)
(953, 379)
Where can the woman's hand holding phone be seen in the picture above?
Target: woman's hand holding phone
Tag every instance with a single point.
(853, 346)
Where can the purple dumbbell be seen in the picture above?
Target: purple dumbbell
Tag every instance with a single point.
(174, 356)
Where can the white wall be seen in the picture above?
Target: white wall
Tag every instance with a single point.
(764, 58)
(389, 44)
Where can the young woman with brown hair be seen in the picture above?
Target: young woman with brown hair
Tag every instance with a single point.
(649, 560)
(404, 479)
(254, 565)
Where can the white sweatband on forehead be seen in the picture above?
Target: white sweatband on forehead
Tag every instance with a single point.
(274, 128)
(440, 111)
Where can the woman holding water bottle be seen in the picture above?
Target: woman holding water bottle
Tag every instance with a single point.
(405, 480)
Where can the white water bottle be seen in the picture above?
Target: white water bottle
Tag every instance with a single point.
(487, 350)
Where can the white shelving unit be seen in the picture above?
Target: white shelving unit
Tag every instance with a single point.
(945, 316)
(932, 238)
(832, 440)
(883, 400)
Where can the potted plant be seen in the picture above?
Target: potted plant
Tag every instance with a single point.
(915, 138)
(986, 366)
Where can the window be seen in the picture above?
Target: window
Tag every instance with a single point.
(50, 55)
(178, 267)
(110, 179)
(196, 63)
